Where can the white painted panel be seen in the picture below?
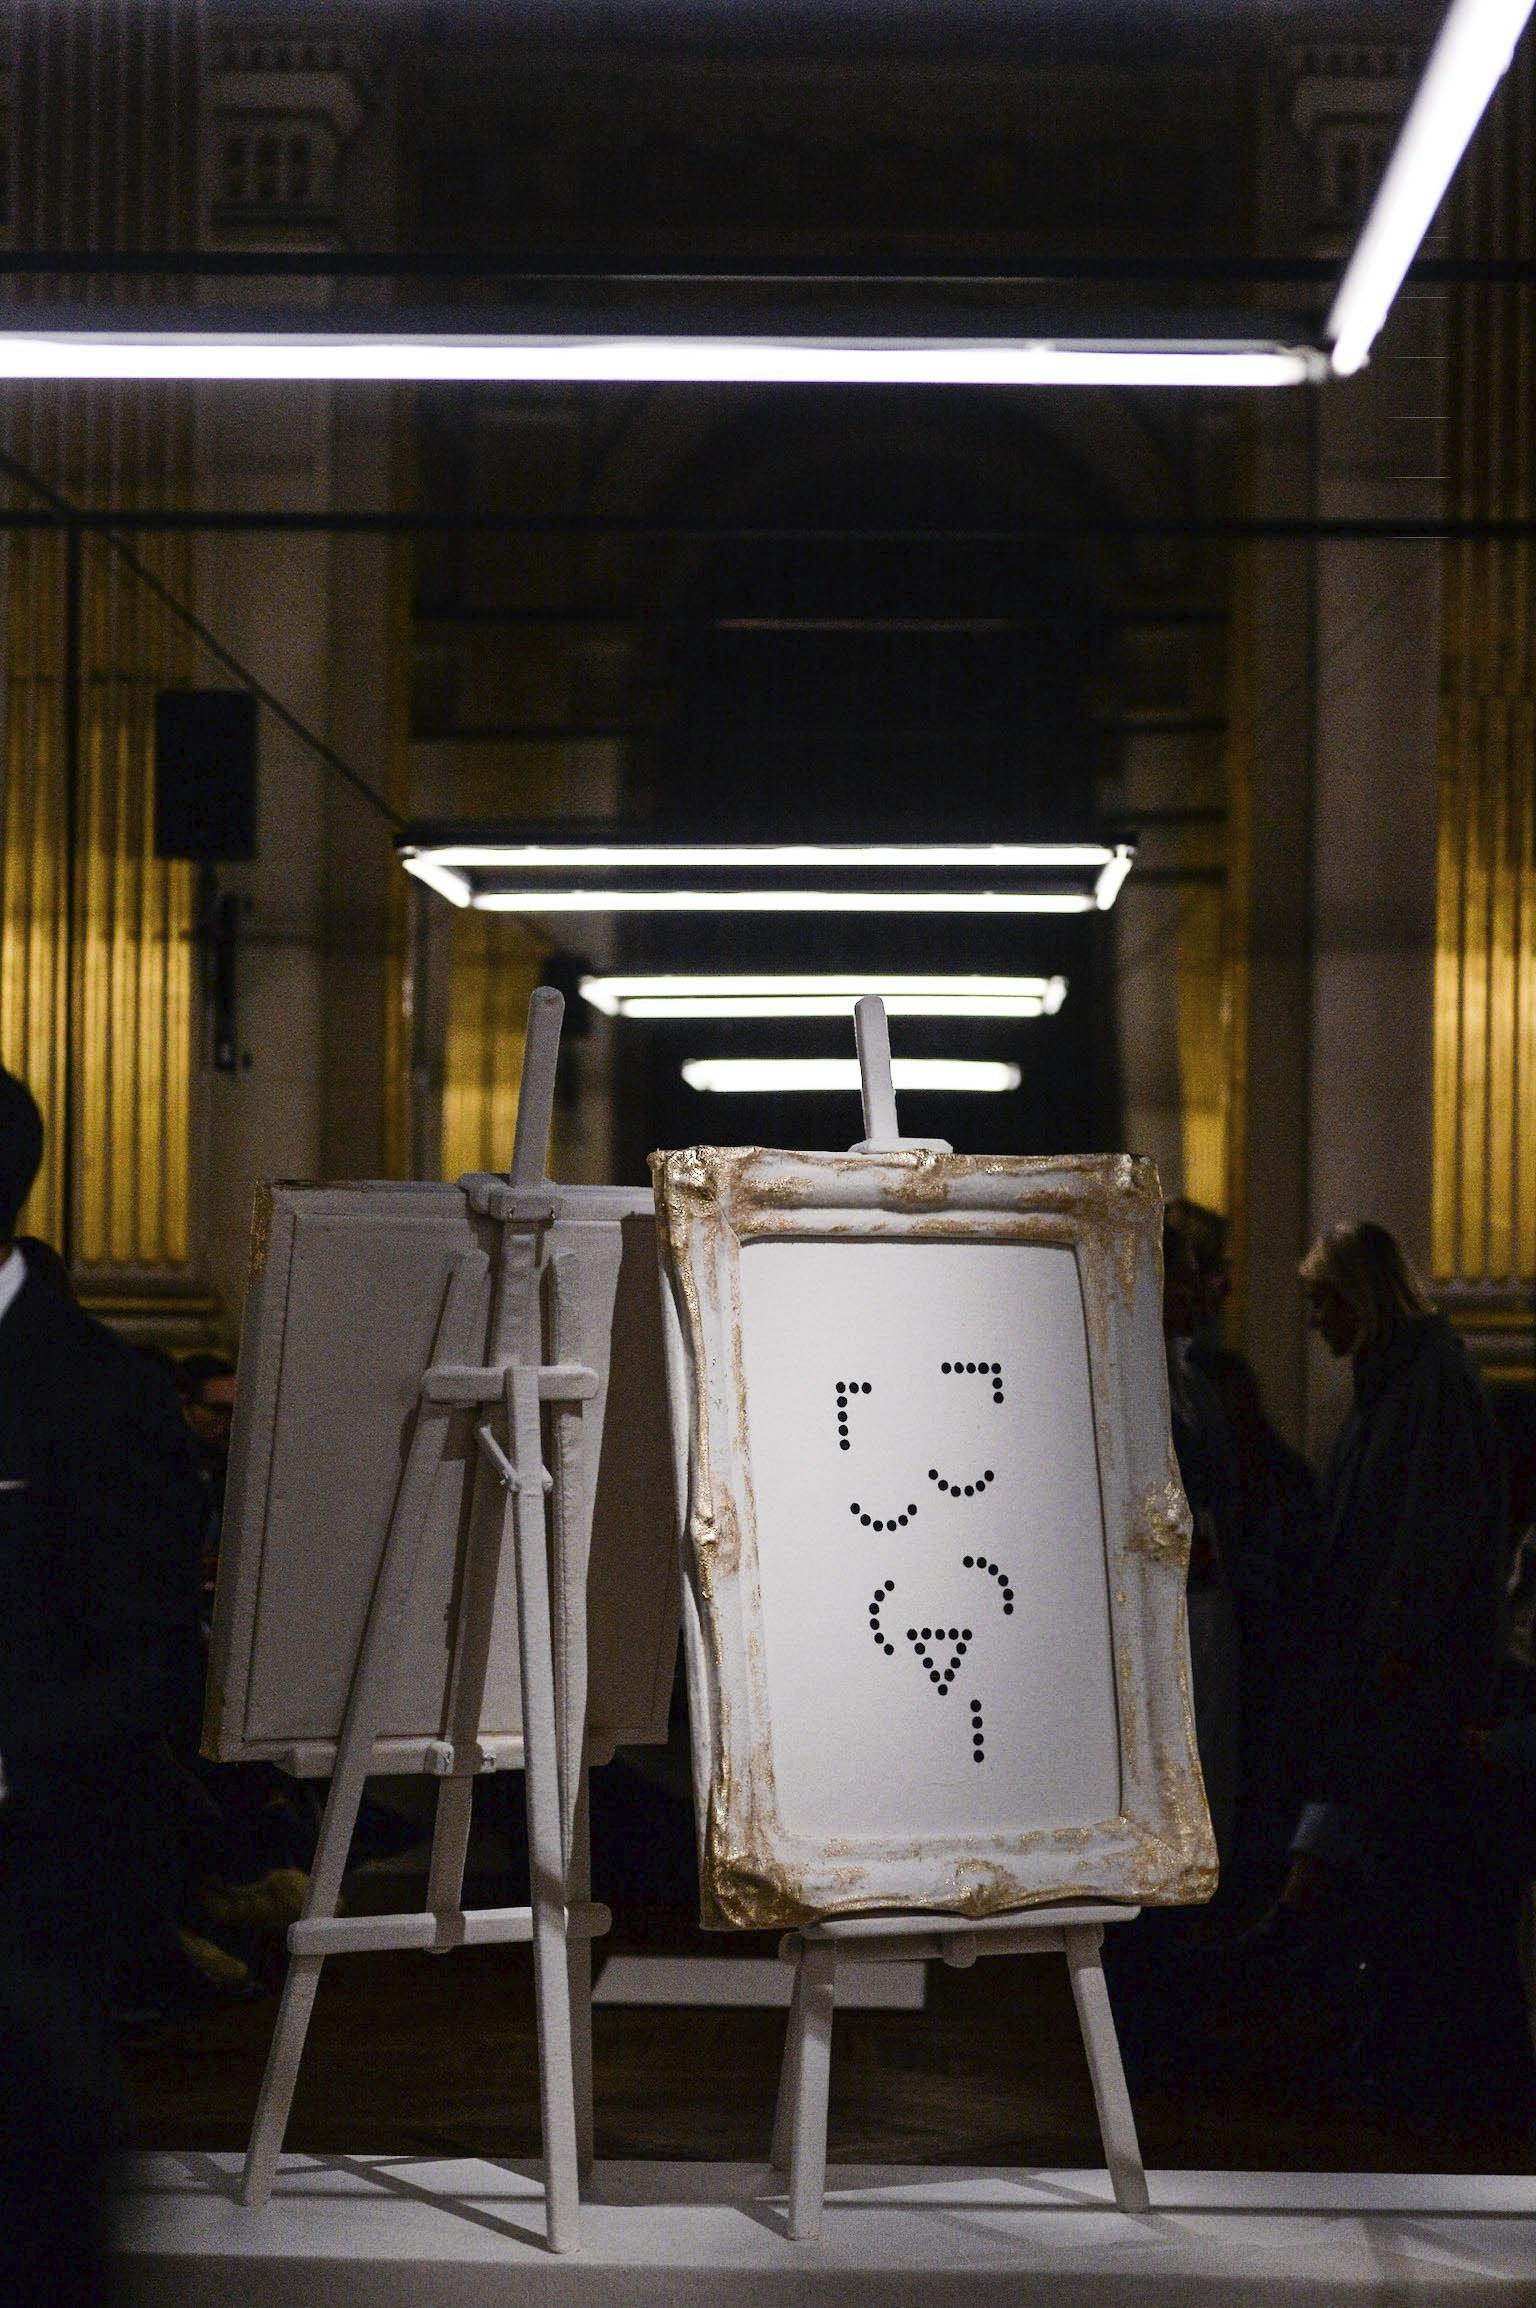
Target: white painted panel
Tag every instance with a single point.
(363, 1301)
(935, 1619)
(339, 1332)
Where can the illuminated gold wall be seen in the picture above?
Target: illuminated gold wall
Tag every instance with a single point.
(1212, 922)
(496, 965)
(96, 954)
(1485, 980)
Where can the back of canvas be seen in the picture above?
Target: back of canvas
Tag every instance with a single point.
(340, 1328)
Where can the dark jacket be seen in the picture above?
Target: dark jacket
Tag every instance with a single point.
(99, 1523)
(1407, 1597)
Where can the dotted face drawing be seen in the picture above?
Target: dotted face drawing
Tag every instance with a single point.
(875, 1628)
(980, 1563)
(939, 1651)
(992, 1372)
(885, 1522)
(921, 1637)
(847, 1387)
(962, 1490)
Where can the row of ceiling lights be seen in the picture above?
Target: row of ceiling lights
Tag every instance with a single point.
(599, 877)
(671, 998)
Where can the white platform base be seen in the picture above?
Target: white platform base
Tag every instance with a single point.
(399, 2232)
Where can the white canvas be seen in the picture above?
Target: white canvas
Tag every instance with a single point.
(938, 1627)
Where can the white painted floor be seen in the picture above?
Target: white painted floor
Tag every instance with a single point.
(397, 2232)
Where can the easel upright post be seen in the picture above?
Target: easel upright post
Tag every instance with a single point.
(536, 1093)
(530, 1159)
(872, 1035)
(877, 1086)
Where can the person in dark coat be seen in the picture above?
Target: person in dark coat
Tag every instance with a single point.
(1407, 1595)
(99, 1520)
(1393, 1875)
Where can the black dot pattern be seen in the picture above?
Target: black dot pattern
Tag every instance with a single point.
(887, 1522)
(926, 1642)
(992, 1372)
(980, 1563)
(847, 1387)
(928, 1645)
(962, 1490)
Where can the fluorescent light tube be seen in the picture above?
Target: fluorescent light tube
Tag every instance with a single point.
(834, 1006)
(1466, 64)
(768, 857)
(1112, 877)
(785, 901)
(785, 995)
(439, 877)
(285, 356)
(602, 877)
(798, 1074)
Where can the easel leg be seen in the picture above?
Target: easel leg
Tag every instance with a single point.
(784, 2105)
(810, 2069)
(1117, 2125)
(450, 1843)
(578, 1957)
(546, 1844)
(354, 1749)
(299, 1988)
(277, 2085)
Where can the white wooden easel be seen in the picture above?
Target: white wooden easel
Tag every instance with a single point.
(562, 1920)
(800, 2117)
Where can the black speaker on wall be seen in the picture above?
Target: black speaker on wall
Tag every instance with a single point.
(205, 774)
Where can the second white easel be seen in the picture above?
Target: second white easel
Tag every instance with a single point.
(556, 1274)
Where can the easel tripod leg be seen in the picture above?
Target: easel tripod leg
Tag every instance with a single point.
(784, 2104)
(354, 1749)
(282, 2074)
(450, 1842)
(1117, 2124)
(546, 1844)
(303, 1978)
(552, 1995)
(811, 2065)
(578, 1957)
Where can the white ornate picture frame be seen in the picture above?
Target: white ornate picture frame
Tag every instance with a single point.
(934, 1541)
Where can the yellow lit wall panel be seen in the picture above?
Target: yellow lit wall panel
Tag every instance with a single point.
(1484, 1230)
(496, 965)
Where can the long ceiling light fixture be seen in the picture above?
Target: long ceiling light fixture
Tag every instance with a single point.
(992, 345)
(1470, 57)
(800, 1074)
(601, 877)
(30, 348)
(787, 994)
